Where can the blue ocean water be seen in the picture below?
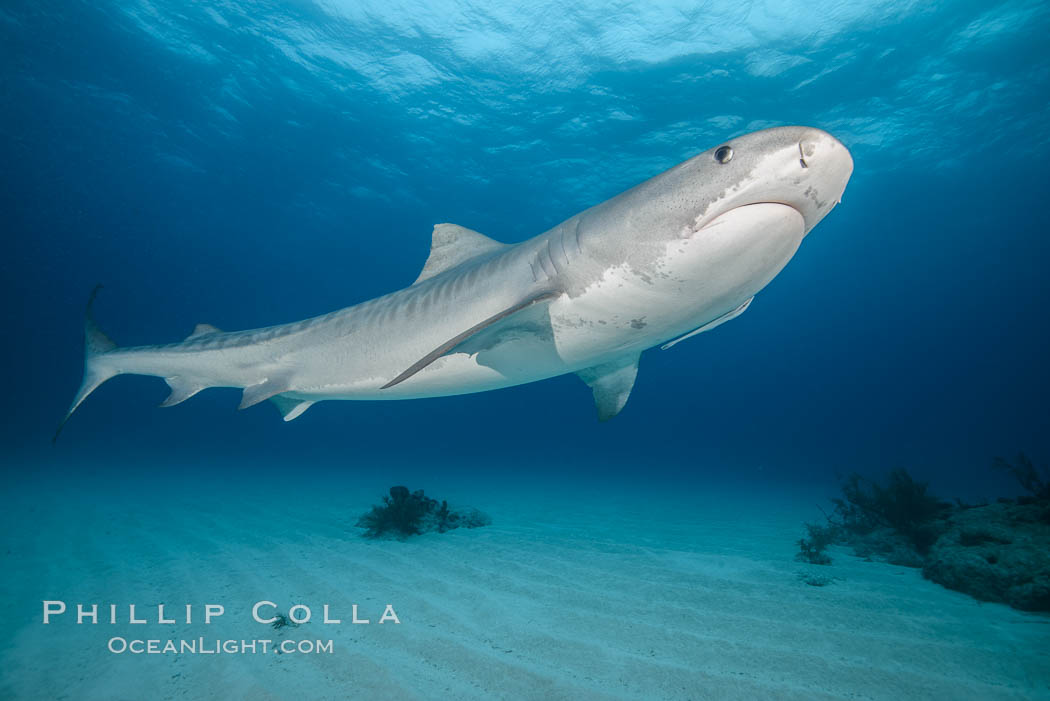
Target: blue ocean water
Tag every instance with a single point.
(249, 164)
(252, 163)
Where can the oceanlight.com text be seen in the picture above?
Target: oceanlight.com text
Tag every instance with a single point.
(215, 646)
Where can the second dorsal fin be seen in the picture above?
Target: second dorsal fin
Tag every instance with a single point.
(203, 330)
(452, 245)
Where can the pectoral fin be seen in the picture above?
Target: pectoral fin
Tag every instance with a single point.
(611, 384)
(459, 338)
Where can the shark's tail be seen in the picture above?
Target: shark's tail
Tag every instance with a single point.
(96, 369)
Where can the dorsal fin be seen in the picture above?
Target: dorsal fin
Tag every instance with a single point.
(202, 329)
(452, 245)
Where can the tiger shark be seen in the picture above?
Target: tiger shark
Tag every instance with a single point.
(675, 256)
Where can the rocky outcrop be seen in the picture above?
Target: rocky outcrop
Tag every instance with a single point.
(885, 545)
(998, 552)
(993, 552)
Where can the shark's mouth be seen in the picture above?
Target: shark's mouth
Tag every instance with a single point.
(760, 216)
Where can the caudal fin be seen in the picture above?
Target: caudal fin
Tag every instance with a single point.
(96, 370)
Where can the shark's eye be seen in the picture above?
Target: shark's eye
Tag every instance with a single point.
(724, 154)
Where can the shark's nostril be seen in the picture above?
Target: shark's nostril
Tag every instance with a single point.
(802, 155)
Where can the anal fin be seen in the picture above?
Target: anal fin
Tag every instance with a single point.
(181, 390)
(291, 408)
(611, 383)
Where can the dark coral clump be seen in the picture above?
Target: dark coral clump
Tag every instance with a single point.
(812, 549)
(1036, 482)
(903, 507)
(282, 621)
(405, 513)
(400, 513)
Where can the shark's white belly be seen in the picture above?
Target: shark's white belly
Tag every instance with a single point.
(698, 278)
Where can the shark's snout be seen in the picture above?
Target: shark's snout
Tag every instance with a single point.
(803, 168)
(815, 168)
(820, 149)
(829, 161)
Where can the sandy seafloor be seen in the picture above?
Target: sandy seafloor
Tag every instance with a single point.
(580, 589)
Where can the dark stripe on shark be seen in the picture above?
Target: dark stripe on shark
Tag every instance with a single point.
(221, 340)
(456, 340)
